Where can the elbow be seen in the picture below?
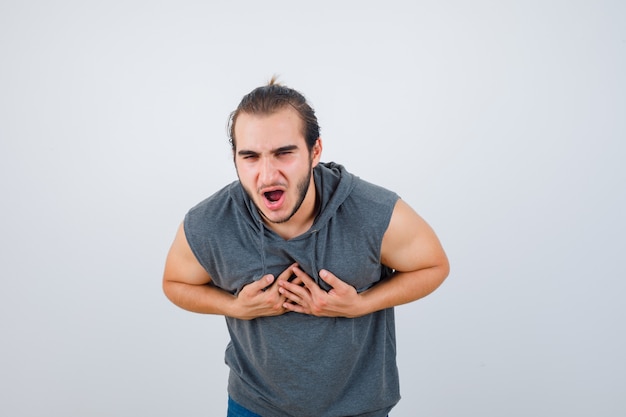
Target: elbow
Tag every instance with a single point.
(440, 272)
(168, 288)
(444, 268)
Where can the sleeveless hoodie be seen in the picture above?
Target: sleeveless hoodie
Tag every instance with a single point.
(297, 365)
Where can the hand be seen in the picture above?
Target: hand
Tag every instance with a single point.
(308, 298)
(261, 298)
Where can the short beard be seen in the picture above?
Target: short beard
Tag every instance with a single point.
(303, 188)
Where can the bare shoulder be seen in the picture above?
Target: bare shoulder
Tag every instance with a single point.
(182, 265)
(409, 242)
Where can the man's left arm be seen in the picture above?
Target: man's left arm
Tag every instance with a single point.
(409, 246)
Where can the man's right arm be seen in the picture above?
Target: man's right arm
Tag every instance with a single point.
(188, 285)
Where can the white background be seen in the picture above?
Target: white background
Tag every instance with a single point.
(502, 123)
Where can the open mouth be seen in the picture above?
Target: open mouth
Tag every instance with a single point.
(273, 196)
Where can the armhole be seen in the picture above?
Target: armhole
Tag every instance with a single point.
(190, 240)
(393, 201)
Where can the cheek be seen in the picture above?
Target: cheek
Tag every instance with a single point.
(246, 178)
(245, 171)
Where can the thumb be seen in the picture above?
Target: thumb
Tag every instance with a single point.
(329, 278)
(264, 283)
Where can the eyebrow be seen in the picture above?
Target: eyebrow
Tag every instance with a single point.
(286, 148)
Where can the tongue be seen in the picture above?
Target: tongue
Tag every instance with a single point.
(274, 195)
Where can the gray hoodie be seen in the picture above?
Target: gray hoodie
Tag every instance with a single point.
(296, 365)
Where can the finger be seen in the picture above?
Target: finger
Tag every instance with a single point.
(262, 284)
(287, 273)
(293, 292)
(295, 307)
(302, 290)
(290, 298)
(297, 281)
(304, 277)
(331, 279)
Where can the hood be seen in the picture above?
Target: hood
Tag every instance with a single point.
(333, 185)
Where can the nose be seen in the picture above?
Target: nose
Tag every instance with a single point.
(267, 171)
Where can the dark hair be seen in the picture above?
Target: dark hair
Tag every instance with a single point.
(271, 98)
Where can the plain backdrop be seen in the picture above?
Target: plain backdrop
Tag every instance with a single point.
(501, 122)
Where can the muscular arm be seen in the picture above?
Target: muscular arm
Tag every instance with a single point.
(409, 246)
(187, 284)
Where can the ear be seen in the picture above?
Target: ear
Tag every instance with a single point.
(316, 152)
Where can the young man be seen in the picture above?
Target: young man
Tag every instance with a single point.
(306, 262)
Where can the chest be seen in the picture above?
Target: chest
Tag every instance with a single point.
(351, 253)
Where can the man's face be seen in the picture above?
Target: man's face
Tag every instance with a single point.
(274, 165)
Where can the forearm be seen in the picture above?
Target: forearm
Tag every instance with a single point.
(257, 299)
(402, 288)
(204, 299)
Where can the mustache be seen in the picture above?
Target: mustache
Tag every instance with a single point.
(273, 186)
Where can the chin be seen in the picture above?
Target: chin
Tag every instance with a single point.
(277, 219)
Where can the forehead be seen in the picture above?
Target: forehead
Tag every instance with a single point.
(280, 128)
